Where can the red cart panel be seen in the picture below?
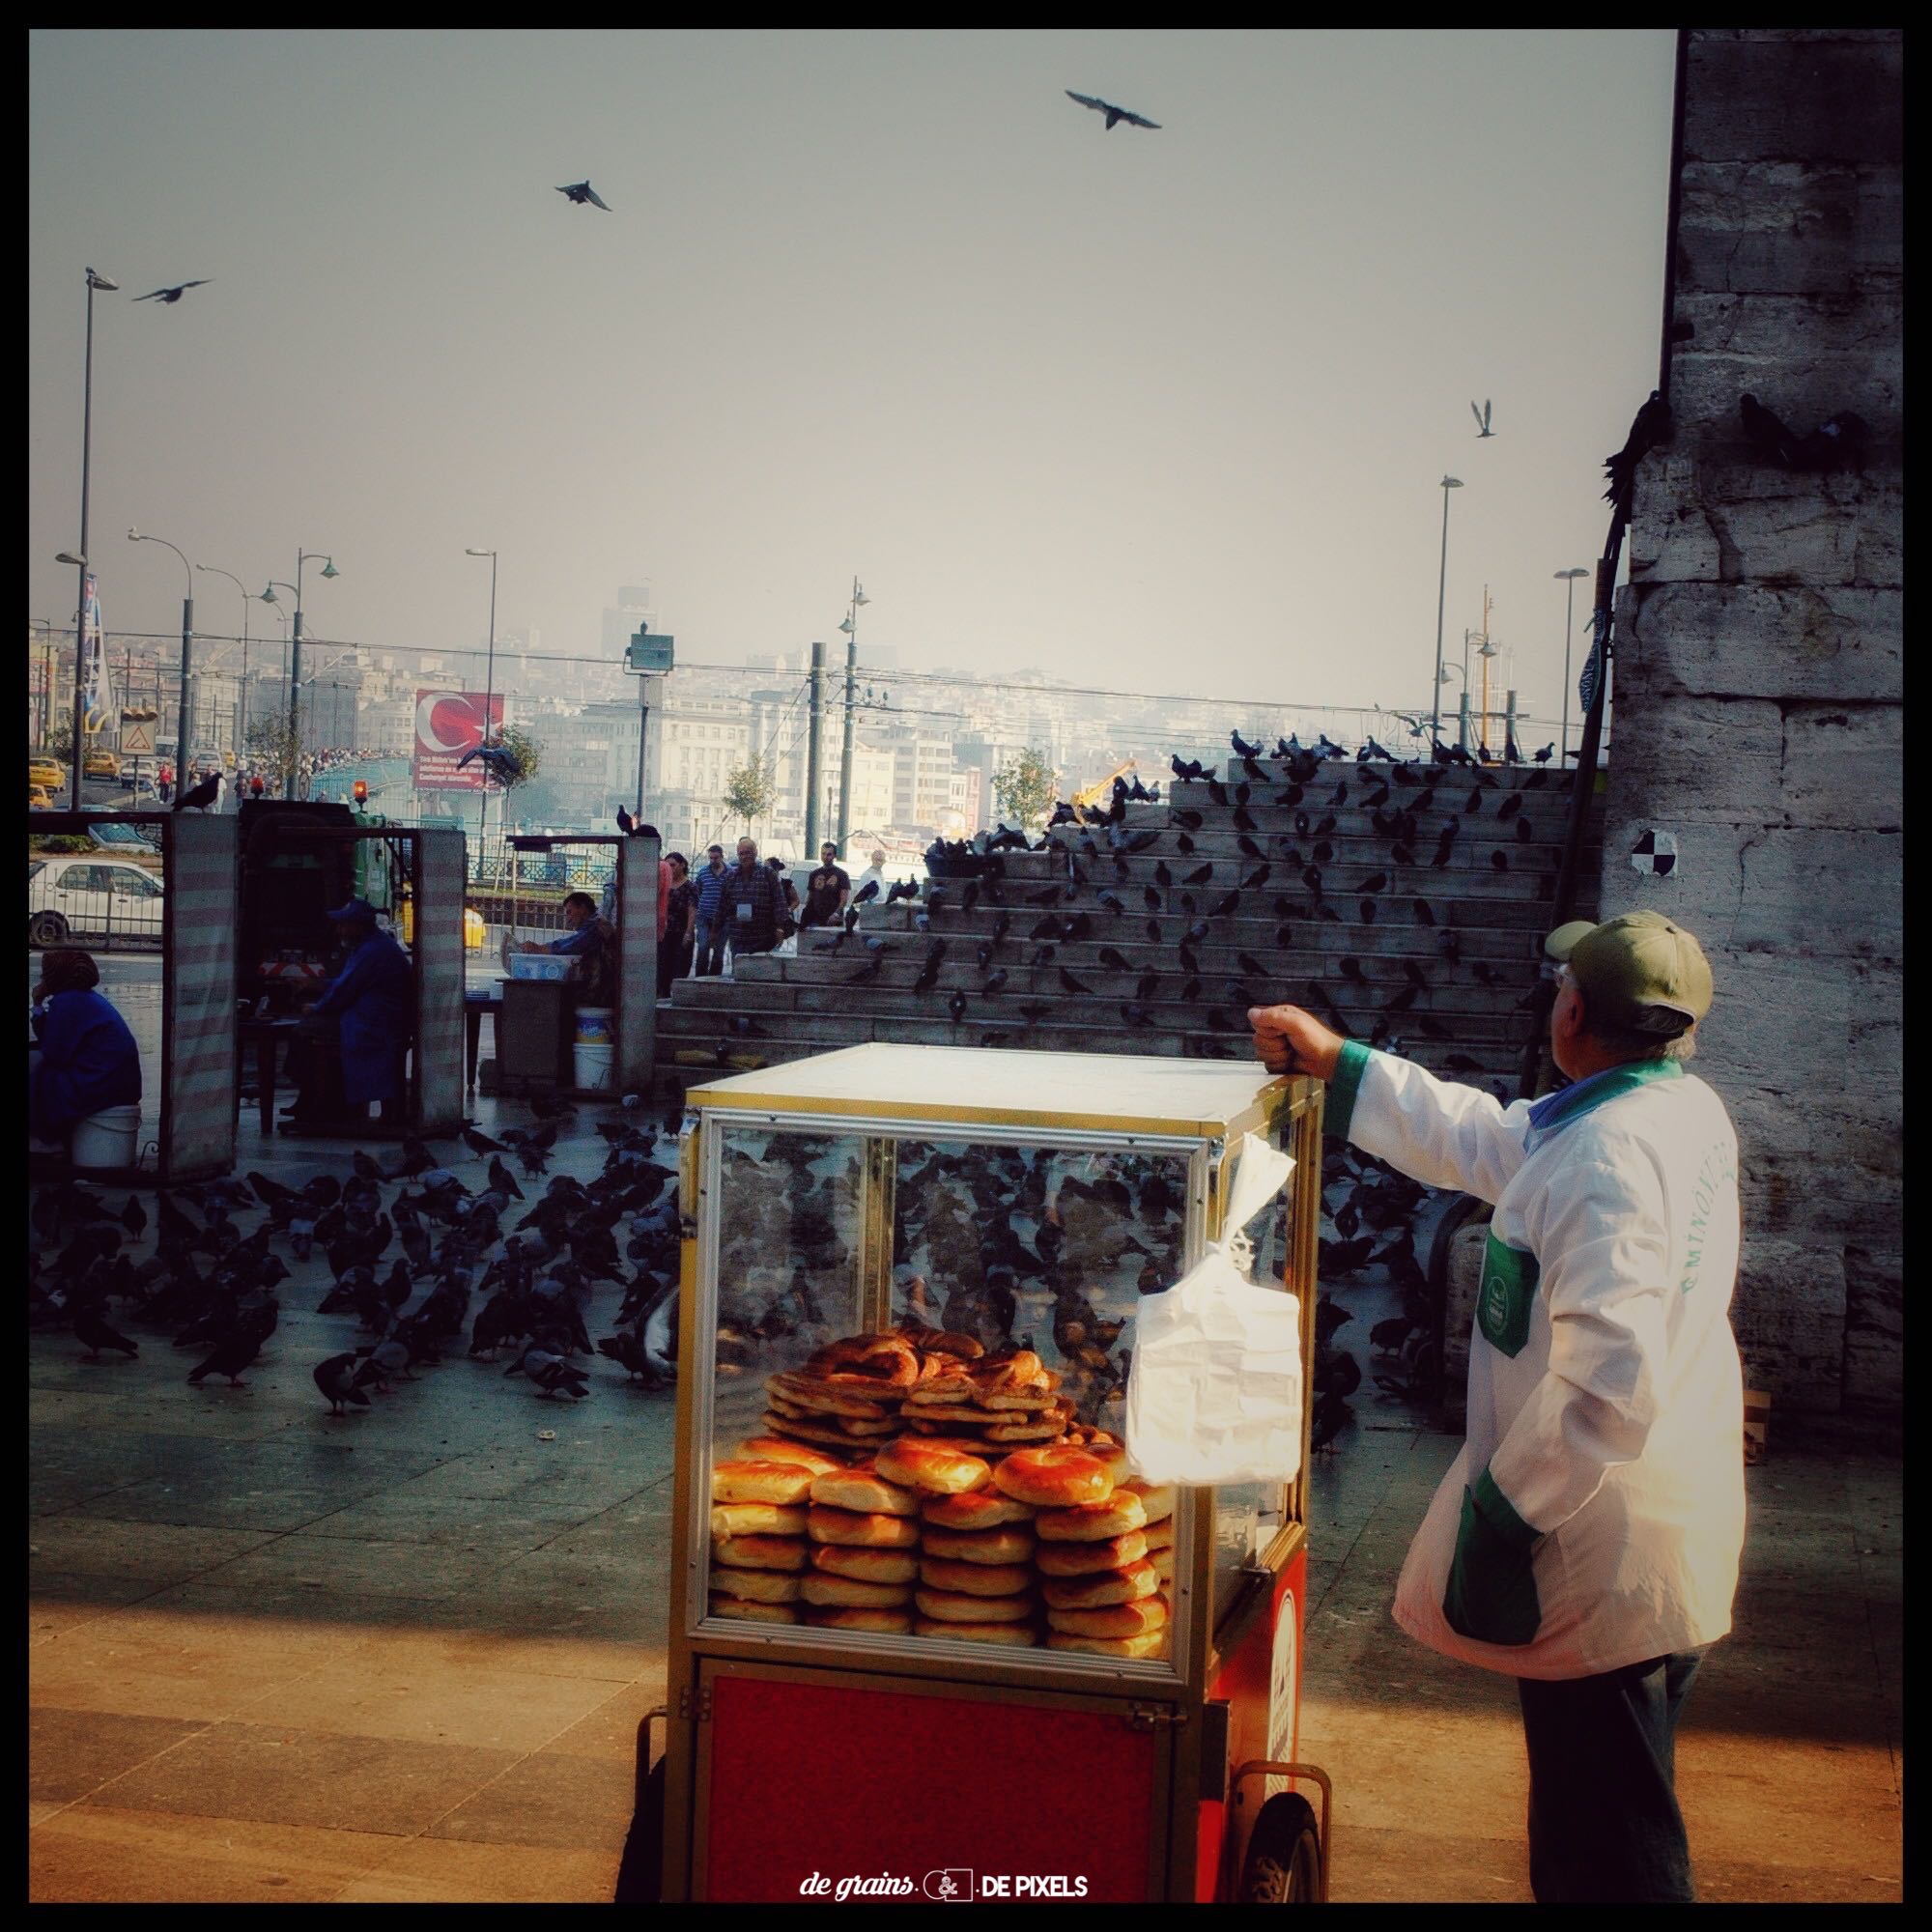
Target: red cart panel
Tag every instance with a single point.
(802, 1779)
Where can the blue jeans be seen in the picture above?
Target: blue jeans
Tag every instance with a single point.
(708, 955)
(1604, 1823)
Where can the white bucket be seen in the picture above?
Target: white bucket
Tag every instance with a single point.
(106, 1139)
(594, 1064)
(596, 1026)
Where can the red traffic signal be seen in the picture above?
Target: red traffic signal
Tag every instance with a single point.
(361, 791)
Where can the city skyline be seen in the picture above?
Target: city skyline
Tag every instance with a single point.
(863, 302)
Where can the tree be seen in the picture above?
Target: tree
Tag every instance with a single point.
(274, 748)
(750, 792)
(1025, 789)
(527, 758)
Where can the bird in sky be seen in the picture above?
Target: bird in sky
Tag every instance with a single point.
(581, 192)
(174, 294)
(1105, 108)
(1482, 417)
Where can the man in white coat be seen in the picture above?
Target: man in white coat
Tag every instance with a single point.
(1586, 1540)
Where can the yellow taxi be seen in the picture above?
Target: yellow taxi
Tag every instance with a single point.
(101, 765)
(38, 799)
(44, 772)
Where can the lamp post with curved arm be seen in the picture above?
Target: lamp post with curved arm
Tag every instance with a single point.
(1449, 483)
(184, 722)
(328, 569)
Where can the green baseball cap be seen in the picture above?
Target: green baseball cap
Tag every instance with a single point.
(1640, 971)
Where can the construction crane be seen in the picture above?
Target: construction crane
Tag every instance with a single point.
(1089, 796)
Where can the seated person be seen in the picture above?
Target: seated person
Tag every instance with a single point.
(87, 1059)
(373, 1001)
(591, 942)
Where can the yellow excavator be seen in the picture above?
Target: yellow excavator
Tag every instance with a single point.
(1100, 790)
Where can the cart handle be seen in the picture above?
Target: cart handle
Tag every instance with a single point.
(1264, 1767)
(644, 1751)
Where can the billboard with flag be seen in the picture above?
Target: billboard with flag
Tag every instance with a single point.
(448, 725)
(93, 659)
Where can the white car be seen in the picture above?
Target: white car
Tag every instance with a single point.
(91, 898)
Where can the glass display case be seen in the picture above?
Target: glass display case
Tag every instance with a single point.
(909, 1287)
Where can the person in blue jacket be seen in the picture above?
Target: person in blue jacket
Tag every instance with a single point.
(373, 1002)
(88, 1059)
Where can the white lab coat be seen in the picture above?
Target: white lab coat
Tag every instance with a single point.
(1605, 1398)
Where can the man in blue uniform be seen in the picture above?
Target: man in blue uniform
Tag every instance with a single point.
(373, 1001)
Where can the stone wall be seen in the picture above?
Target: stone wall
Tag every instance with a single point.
(1760, 683)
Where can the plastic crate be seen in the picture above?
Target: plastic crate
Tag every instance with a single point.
(539, 966)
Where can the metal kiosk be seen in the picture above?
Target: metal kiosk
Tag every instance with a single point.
(1026, 1200)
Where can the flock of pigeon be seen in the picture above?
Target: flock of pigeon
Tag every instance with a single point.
(404, 1265)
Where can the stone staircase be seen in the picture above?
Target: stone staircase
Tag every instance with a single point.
(1467, 1018)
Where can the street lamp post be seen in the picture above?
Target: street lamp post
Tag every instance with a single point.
(328, 569)
(489, 700)
(186, 722)
(79, 557)
(242, 704)
(851, 629)
(1567, 578)
(1449, 483)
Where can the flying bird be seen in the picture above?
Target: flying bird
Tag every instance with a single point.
(174, 294)
(1482, 417)
(1105, 108)
(581, 192)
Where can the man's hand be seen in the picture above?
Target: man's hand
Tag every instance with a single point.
(1289, 1039)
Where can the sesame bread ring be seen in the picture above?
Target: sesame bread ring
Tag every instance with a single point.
(851, 1617)
(980, 1509)
(1156, 1498)
(1106, 1586)
(760, 1483)
(1093, 1523)
(1003, 1426)
(974, 1579)
(925, 1465)
(791, 1426)
(759, 1553)
(1019, 1635)
(820, 1588)
(1084, 1559)
(755, 1587)
(863, 1490)
(1163, 1564)
(865, 1362)
(943, 1342)
(1145, 1613)
(756, 1519)
(859, 1529)
(949, 1607)
(869, 1566)
(1056, 1478)
(1005, 1543)
(1022, 1369)
(748, 1612)
(776, 1449)
(1160, 1535)
(1149, 1643)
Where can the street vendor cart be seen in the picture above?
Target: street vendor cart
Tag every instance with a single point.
(969, 1655)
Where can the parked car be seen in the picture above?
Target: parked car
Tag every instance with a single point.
(49, 772)
(101, 765)
(37, 798)
(91, 900)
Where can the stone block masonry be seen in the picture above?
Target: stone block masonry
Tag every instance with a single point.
(1760, 683)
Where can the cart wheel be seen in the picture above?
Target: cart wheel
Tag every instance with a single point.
(1284, 1862)
(47, 928)
(640, 1872)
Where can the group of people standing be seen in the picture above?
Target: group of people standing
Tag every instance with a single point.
(726, 911)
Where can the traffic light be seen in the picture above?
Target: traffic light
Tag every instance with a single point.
(361, 790)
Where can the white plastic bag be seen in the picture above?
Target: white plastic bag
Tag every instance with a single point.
(1215, 1392)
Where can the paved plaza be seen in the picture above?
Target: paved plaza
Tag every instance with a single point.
(401, 1654)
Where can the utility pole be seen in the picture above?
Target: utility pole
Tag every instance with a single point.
(814, 752)
(851, 629)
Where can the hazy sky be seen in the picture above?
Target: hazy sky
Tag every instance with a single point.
(1164, 410)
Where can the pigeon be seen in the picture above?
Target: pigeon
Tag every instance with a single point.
(481, 1143)
(1839, 438)
(91, 1328)
(232, 1354)
(1113, 114)
(201, 796)
(503, 1180)
(174, 295)
(1482, 417)
(336, 1379)
(1543, 756)
(1767, 432)
(1649, 427)
(581, 192)
(1241, 745)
